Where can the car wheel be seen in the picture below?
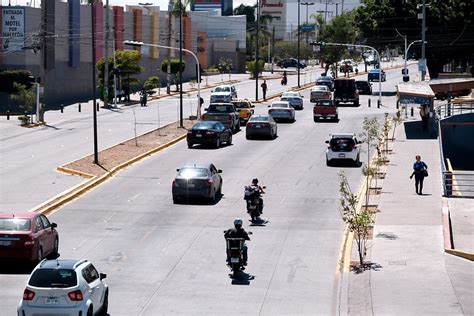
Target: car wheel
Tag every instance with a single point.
(175, 200)
(90, 311)
(190, 145)
(218, 142)
(248, 137)
(237, 128)
(214, 197)
(357, 161)
(39, 254)
(229, 140)
(105, 305)
(55, 252)
(336, 118)
(328, 163)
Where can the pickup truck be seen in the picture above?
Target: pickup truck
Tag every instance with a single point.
(325, 109)
(320, 93)
(345, 91)
(226, 113)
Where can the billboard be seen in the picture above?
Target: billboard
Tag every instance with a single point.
(13, 29)
(277, 10)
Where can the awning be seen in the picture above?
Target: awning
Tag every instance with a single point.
(415, 93)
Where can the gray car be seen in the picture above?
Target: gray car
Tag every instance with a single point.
(194, 180)
(261, 125)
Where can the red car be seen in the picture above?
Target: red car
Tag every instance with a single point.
(28, 236)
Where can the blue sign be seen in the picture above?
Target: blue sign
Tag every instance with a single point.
(307, 28)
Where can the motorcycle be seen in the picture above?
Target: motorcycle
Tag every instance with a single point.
(143, 98)
(235, 254)
(254, 202)
(284, 81)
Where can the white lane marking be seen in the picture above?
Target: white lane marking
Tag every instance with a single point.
(134, 197)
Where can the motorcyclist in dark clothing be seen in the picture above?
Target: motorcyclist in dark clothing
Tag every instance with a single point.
(143, 97)
(238, 232)
(260, 191)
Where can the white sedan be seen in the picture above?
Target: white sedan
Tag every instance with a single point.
(294, 98)
(282, 110)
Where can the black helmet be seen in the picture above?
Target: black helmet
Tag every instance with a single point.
(238, 223)
(255, 181)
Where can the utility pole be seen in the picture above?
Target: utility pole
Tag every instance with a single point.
(256, 50)
(273, 45)
(298, 33)
(180, 63)
(106, 55)
(423, 41)
(326, 12)
(94, 110)
(168, 68)
(307, 4)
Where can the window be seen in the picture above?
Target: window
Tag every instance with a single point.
(39, 224)
(56, 278)
(90, 274)
(192, 172)
(45, 221)
(15, 224)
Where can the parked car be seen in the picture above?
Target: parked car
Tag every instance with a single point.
(364, 87)
(226, 113)
(343, 147)
(245, 109)
(291, 62)
(343, 63)
(223, 93)
(327, 81)
(65, 287)
(294, 98)
(320, 93)
(374, 75)
(209, 133)
(27, 236)
(195, 180)
(261, 125)
(282, 110)
(345, 91)
(325, 109)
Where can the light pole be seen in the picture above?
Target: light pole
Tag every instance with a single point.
(307, 4)
(298, 33)
(94, 111)
(423, 39)
(405, 74)
(256, 50)
(139, 44)
(180, 63)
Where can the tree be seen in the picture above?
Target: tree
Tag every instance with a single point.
(369, 135)
(176, 68)
(25, 98)
(248, 11)
(151, 83)
(358, 223)
(9, 77)
(286, 49)
(225, 66)
(251, 67)
(127, 65)
(450, 28)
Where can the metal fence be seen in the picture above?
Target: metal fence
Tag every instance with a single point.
(449, 109)
(459, 183)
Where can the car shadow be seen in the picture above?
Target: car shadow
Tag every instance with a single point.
(199, 201)
(16, 267)
(348, 105)
(262, 137)
(259, 222)
(209, 147)
(342, 163)
(327, 121)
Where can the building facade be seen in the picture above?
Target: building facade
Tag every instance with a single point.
(223, 7)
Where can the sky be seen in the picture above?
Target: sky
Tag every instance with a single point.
(291, 10)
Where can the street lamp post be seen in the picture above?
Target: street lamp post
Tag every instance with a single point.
(307, 4)
(139, 44)
(298, 33)
(406, 54)
(256, 50)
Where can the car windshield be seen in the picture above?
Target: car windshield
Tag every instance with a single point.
(203, 125)
(241, 105)
(222, 89)
(51, 278)
(192, 173)
(15, 224)
(342, 144)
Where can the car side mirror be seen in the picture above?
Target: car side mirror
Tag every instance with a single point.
(359, 142)
(327, 142)
(205, 109)
(177, 170)
(250, 233)
(252, 106)
(264, 187)
(219, 171)
(269, 106)
(54, 225)
(102, 276)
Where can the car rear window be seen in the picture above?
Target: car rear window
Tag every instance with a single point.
(342, 144)
(280, 105)
(58, 278)
(259, 118)
(15, 224)
(204, 125)
(324, 103)
(241, 105)
(192, 172)
(220, 108)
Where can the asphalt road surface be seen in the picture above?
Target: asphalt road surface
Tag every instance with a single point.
(162, 258)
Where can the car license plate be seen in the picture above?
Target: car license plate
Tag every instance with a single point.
(234, 260)
(191, 185)
(5, 243)
(198, 135)
(51, 300)
(257, 126)
(342, 155)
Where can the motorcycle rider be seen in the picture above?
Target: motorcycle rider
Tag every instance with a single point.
(260, 191)
(284, 80)
(238, 232)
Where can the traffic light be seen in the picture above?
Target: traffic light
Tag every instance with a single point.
(322, 44)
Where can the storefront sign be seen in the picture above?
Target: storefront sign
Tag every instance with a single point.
(13, 29)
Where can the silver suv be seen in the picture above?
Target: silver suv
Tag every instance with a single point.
(223, 93)
(65, 287)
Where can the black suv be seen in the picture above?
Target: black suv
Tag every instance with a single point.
(291, 62)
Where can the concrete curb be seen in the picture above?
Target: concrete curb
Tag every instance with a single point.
(74, 172)
(448, 235)
(65, 197)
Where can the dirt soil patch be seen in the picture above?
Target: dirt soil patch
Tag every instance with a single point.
(122, 152)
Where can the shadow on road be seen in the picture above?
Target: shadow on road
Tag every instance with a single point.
(414, 130)
(368, 266)
(16, 267)
(242, 278)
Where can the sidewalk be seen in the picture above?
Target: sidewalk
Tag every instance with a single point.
(411, 274)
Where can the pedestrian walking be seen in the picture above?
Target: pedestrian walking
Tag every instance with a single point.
(420, 171)
(264, 89)
(424, 114)
(346, 70)
(126, 91)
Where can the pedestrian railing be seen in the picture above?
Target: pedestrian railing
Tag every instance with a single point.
(458, 183)
(449, 109)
